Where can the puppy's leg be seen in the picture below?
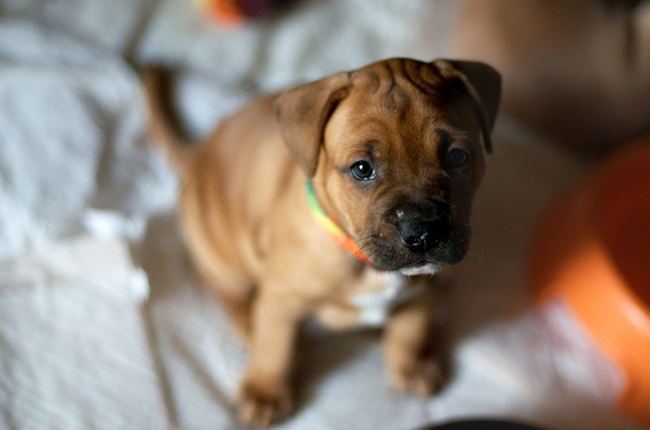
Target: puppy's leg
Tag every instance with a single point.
(235, 294)
(238, 308)
(264, 394)
(410, 363)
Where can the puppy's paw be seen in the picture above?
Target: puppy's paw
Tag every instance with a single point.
(262, 404)
(422, 376)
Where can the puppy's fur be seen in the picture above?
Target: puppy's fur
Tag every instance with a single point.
(421, 130)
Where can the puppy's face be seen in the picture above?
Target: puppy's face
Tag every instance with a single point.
(399, 162)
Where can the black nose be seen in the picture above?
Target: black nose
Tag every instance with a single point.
(422, 227)
(423, 236)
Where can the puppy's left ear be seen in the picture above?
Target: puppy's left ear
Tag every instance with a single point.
(303, 113)
(483, 84)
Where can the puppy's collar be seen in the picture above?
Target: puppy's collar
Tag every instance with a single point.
(334, 231)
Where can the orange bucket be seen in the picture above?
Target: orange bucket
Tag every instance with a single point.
(592, 252)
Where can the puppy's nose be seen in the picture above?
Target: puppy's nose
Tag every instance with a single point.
(423, 236)
(422, 228)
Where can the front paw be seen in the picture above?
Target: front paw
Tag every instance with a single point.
(262, 403)
(418, 376)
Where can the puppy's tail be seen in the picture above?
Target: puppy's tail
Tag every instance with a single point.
(162, 127)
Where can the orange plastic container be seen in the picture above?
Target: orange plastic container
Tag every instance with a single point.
(226, 12)
(592, 252)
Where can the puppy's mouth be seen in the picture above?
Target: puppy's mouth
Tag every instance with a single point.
(390, 254)
(421, 268)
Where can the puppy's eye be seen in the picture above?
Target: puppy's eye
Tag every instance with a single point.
(457, 157)
(362, 171)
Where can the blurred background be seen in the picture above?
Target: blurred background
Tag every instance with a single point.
(103, 323)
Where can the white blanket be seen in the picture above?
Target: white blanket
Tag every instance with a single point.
(87, 207)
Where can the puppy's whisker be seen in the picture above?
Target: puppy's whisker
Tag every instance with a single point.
(366, 240)
(475, 255)
(352, 260)
(472, 251)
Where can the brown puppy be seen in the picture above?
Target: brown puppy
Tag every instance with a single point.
(385, 160)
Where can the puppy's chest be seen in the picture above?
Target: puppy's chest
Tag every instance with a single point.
(369, 301)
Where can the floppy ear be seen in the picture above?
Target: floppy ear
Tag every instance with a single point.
(483, 84)
(303, 112)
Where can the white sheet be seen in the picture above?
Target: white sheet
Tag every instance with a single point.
(75, 350)
(79, 181)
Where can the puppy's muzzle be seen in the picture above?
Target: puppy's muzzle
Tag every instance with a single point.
(422, 229)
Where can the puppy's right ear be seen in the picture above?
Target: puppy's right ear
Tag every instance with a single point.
(303, 112)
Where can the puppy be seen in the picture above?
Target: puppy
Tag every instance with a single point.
(328, 201)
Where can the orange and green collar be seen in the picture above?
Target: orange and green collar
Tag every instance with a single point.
(335, 232)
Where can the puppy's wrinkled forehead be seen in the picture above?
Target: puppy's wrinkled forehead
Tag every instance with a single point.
(401, 108)
(399, 83)
(409, 97)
